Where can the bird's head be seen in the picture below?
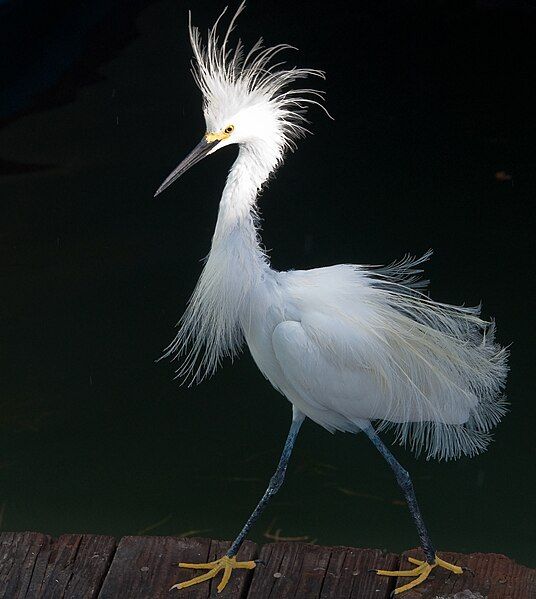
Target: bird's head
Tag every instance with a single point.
(248, 98)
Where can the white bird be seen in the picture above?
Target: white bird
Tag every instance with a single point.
(353, 348)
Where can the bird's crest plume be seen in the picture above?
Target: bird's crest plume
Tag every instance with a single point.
(232, 80)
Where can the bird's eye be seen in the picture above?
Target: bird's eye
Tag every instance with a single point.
(229, 129)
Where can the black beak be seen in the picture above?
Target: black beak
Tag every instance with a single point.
(197, 154)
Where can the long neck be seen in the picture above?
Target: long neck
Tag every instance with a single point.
(237, 212)
(210, 327)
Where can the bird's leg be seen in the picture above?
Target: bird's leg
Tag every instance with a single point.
(404, 480)
(423, 568)
(275, 482)
(228, 562)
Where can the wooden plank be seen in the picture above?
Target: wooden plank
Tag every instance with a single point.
(18, 553)
(349, 575)
(34, 566)
(71, 567)
(494, 577)
(146, 568)
(298, 570)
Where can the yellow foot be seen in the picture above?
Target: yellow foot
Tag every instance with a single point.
(420, 573)
(225, 563)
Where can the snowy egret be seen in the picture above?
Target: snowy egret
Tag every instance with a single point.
(353, 348)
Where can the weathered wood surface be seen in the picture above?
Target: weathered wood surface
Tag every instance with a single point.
(298, 570)
(492, 575)
(35, 566)
(146, 568)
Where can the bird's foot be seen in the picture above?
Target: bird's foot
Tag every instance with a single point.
(225, 563)
(420, 573)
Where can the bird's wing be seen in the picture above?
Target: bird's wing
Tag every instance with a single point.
(322, 388)
(379, 350)
(337, 364)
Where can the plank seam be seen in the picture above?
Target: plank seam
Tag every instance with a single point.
(301, 557)
(326, 570)
(392, 580)
(273, 580)
(98, 586)
(38, 552)
(109, 566)
(73, 568)
(353, 583)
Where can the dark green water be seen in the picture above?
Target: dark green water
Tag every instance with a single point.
(96, 437)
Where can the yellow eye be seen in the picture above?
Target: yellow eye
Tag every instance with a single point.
(229, 129)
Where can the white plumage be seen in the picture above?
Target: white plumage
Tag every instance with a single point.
(346, 344)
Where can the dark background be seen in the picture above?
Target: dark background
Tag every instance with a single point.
(433, 145)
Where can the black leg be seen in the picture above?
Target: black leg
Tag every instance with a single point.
(404, 480)
(275, 482)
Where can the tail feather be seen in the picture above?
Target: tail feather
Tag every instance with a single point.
(452, 354)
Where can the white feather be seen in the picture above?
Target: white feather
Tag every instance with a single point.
(374, 350)
(254, 87)
(346, 344)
